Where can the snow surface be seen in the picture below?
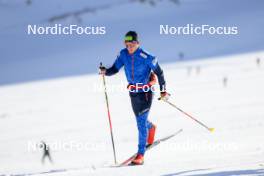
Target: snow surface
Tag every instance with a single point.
(67, 109)
(63, 108)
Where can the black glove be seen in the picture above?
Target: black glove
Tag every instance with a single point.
(102, 69)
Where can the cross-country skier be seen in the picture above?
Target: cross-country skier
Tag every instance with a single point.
(46, 152)
(138, 65)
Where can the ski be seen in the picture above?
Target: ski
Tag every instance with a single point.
(157, 142)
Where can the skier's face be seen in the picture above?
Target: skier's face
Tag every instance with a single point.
(132, 46)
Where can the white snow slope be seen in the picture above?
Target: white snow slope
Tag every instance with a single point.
(67, 111)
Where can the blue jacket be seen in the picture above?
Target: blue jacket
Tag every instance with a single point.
(137, 67)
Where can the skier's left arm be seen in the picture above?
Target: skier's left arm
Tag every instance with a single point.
(154, 65)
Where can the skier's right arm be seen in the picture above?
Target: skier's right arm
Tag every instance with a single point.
(115, 67)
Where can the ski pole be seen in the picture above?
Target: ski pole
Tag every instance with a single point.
(173, 105)
(109, 116)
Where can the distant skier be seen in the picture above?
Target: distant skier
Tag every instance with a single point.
(225, 80)
(46, 152)
(258, 62)
(138, 65)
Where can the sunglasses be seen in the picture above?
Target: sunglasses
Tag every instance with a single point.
(131, 44)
